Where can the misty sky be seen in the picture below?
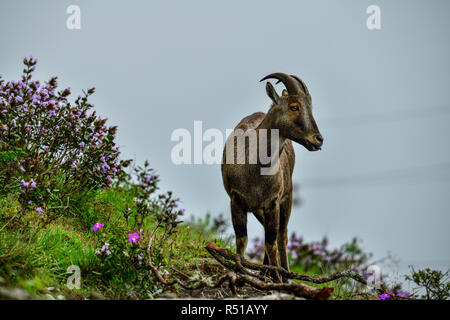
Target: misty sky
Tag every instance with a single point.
(381, 100)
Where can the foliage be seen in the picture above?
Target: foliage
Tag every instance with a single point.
(59, 157)
(51, 149)
(122, 245)
(435, 283)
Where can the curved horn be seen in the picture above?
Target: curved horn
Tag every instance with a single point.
(290, 83)
(305, 89)
(302, 84)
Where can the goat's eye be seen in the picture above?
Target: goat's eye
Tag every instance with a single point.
(294, 108)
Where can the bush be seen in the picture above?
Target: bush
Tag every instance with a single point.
(122, 240)
(435, 283)
(316, 256)
(51, 149)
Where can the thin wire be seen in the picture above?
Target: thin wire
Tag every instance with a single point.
(387, 117)
(400, 175)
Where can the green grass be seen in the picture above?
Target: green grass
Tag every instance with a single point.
(38, 258)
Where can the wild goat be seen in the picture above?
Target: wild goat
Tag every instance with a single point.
(269, 197)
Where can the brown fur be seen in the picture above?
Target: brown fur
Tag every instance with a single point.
(269, 197)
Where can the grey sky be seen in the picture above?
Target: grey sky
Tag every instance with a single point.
(381, 100)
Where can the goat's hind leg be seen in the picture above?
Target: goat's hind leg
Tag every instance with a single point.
(239, 219)
(271, 227)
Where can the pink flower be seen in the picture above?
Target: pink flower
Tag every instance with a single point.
(385, 296)
(97, 226)
(133, 237)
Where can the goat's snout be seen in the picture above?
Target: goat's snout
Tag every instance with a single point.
(314, 142)
(319, 139)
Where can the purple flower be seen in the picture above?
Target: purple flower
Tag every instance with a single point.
(105, 247)
(294, 254)
(105, 167)
(133, 237)
(52, 113)
(404, 294)
(81, 144)
(137, 201)
(45, 148)
(97, 226)
(385, 296)
(39, 210)
(31, 184)
(165, 272)
(25, 184)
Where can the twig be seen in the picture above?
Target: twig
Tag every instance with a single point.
(223, 255)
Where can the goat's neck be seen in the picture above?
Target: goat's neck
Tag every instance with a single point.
(268, 125)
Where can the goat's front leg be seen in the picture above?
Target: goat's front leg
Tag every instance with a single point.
(239, 219)
(285, 212)
(271, 227)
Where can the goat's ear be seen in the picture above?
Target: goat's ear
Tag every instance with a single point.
(284, 93)
(272, 93)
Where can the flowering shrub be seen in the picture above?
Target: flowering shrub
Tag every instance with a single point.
(435, 283)
(51, 148)
(317, 256)
(122, 245)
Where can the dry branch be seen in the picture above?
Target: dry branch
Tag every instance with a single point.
(238, 277)
(224, 256)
